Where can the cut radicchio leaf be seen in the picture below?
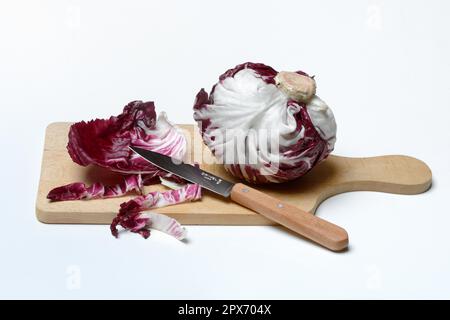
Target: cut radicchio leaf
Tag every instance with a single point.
(105, 143)
(78, 191)
(98, 190)
(254, 99)
(142, 222)
(134, 215)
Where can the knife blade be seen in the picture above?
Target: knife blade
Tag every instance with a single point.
(308, 225)
(186, 171)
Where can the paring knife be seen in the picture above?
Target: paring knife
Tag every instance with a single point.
(308, 225)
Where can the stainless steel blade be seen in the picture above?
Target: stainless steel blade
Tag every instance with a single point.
(187, 172)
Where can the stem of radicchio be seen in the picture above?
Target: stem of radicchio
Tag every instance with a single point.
(132, 217)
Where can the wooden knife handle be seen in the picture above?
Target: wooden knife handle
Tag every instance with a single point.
(314, 228)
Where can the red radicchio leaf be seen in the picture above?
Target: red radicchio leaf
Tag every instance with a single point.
(78, 191)
(131, 217)
(106, 142)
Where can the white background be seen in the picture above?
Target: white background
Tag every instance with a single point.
(383, 67)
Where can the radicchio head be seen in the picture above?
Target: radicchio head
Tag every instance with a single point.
(264, 127)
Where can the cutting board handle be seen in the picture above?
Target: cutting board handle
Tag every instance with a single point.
(397, 174)
(392, 174)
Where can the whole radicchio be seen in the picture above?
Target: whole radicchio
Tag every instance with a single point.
(264, 125)
(106, 143)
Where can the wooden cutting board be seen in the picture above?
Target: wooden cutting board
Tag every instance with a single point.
(393, 174)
